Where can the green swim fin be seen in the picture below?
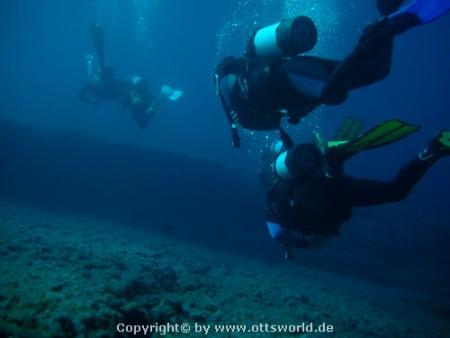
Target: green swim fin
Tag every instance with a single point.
(386, 133)
(444, 142)
(349, 129)
(444, 139)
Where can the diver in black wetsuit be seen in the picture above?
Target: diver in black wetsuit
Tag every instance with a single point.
(309, 197)
(273, 81)
(132, 93)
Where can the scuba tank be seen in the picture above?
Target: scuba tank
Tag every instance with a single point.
(299, 161)
(289, 37)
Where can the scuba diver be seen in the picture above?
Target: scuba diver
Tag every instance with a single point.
(273, 80)
(132, 93)
(308, 196)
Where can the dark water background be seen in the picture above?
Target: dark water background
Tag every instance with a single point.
(182, 171)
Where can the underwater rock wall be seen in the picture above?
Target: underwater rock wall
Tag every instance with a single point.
(66, 275)
(66, 171)
(203, 202)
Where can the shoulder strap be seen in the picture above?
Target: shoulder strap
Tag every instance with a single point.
(229, 65)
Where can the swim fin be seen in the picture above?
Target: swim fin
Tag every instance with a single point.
(387, 7)
(171, 94)
(98, 39)
(425, 10)
(444, 139)
(349, 129)
(438, 146)
(386, 133)
(443, 143)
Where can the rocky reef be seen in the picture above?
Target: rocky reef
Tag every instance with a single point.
(70, 276)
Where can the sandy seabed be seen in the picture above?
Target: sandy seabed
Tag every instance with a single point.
(64, 275)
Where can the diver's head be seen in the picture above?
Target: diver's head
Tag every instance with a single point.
(138, 84)
(300, 161)
(289, 37)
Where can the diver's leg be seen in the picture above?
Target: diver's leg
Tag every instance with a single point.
(387, 7)
(368, 63)
(371, 60)
(363, 193)
(414, 13)
(417, 12)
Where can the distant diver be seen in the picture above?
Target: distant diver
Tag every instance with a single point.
(272, 80)
(308, 195)
(132, 93)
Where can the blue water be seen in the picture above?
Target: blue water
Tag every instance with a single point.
(198, 178)
(176, 42)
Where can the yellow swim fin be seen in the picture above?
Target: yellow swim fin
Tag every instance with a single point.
(349, 130)
(444, 142)
(385, 133)
(444, 139)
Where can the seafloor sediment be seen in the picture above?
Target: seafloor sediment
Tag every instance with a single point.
(69, 276)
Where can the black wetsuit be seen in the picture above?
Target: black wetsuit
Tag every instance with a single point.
(137, 99)
(299, 84)
(318, 204)
(106, 87)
